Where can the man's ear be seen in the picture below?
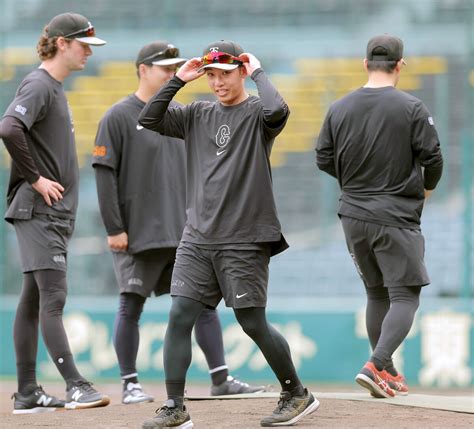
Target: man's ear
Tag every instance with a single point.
(365, 63)
(243, 72)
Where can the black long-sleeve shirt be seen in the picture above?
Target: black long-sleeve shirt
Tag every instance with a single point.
(229, 185)
(376, 142)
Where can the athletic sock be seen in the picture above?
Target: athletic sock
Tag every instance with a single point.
(297, 391)
(390, 368)
(377, 363)
(133, 379)
(219, 377)
(175, 391)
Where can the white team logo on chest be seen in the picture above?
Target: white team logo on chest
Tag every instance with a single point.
(222, 139)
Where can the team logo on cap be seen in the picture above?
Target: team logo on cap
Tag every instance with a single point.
(214, 49)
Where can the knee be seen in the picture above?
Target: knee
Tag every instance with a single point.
(53, 303)
(183, 314)
(251, 326)
(131, 306)
(377, 293)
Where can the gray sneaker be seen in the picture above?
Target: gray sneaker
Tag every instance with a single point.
(133, 394)
(36, 402)
(232, 386)
(82, 395)
(291, 409)
(169, 416)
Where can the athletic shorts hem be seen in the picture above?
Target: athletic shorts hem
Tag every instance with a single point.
(43, 267)
(195, 298)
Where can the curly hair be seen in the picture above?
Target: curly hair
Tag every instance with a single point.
(47, 46)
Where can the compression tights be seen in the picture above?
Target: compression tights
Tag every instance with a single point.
(389, 316)
(41, 302)
(177, 348)
(127, 337)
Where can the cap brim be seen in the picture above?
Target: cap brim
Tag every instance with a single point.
(95, 41)
(169, 61)
(220, 66)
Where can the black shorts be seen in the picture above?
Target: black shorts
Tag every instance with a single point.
(208, 275)
(43, 241)
(385, 255)
(145, 272)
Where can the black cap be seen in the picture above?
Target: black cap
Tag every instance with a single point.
(224, 46)
(385, 48)
(73, 26)
(159, 53)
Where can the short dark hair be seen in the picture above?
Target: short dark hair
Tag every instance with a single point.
(385, 66)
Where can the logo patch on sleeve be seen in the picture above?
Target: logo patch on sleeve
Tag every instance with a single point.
(20, 109)
(430, 120)
(99, 151)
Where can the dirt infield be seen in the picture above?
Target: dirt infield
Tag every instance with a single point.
(232, 414)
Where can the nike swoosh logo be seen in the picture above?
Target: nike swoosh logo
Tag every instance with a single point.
(240, 296)
(139, 127)
(220, 152)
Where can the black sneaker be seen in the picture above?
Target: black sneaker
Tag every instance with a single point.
(169, 416)
(36, 402)
(82, 395)
(291, 409)
(232, 386)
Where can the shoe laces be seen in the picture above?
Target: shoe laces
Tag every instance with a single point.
(284, 402)
(234, 380)
(164, 411)
(85, 385)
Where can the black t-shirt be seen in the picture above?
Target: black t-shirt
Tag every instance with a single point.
(229, 184)
(375, 141)
(40, 104)
(151, 176)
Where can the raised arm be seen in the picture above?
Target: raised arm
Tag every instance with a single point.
(157, 116)
(275, 109)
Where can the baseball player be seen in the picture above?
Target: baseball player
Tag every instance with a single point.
(141, 184)
(231, 227)
(381, 145)
(38, 132)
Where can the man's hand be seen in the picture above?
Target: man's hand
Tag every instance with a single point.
(190, 70)
(49, 190)
(118, 243)
(428, 193)
(251, 63)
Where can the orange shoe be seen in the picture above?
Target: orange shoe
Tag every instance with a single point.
(398, 383)
(375, 381)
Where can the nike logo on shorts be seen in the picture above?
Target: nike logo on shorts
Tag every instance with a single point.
(139, 127)
(220, 152)
(240, 296)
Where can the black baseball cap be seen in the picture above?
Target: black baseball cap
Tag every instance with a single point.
(226, 47)
(159, 53)
(73, 26)
(385, 48)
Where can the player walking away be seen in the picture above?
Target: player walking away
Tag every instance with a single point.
(141, 184)
(38, 132)
(231, 227)
(376, 142)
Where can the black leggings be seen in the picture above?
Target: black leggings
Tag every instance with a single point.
(41, 302)
(389, 316)
(127, 335)
(177, 348)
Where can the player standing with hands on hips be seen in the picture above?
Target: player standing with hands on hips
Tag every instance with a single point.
(141, 185)
(232, 227)
(38, 132)
(381, 145)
